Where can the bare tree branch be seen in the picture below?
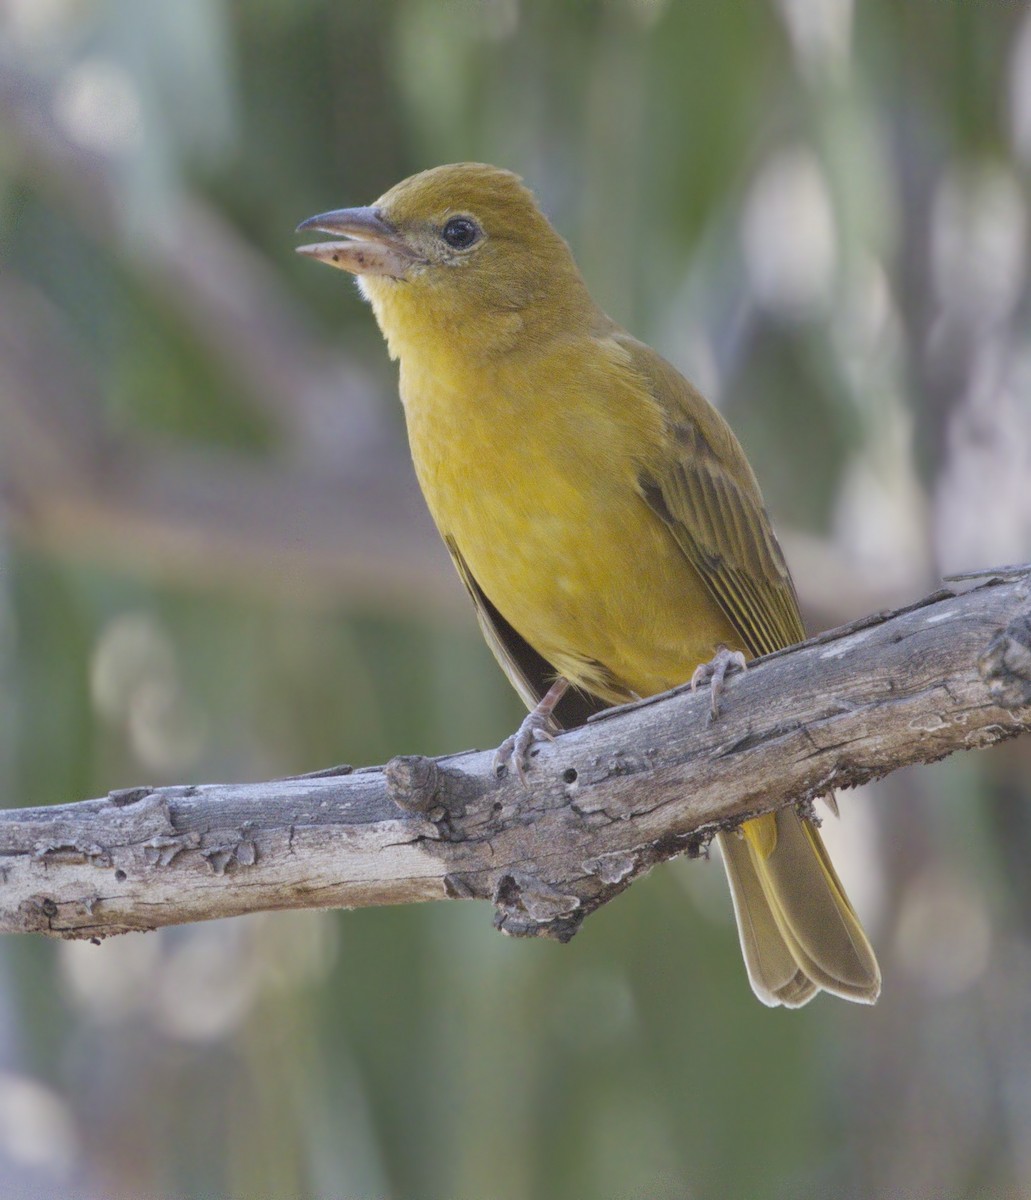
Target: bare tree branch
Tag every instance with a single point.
(604, 802)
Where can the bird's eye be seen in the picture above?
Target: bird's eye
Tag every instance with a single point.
(461, 232)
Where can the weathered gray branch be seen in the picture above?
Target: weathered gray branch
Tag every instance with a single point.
(603, 803)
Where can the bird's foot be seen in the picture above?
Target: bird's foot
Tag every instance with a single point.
(537, 726)
(515, 749)
(713, 673)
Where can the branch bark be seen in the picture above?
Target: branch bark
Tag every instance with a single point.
(603, 804)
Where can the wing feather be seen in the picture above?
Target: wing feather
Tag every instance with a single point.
(707, 496)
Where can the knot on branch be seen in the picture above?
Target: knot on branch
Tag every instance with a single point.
(526, 906)
(1005, 666)
(412, 782)
(421, 785)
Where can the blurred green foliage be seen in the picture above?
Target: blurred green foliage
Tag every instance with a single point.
(817, 210)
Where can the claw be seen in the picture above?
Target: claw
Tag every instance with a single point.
(715, 672)
(536, 727)
(515, 749)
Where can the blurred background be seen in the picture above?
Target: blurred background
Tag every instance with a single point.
(214, 564)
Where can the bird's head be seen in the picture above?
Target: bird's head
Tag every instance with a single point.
(461, 253)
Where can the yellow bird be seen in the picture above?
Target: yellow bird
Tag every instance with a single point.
(602, 514)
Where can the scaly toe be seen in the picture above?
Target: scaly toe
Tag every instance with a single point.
(515, 749)
(713, 673)
(701, 674)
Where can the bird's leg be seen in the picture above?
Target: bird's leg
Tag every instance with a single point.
(713, 673)
(535, 728)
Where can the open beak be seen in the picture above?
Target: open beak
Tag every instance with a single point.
(370, 245)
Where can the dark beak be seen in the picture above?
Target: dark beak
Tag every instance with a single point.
(370, 245)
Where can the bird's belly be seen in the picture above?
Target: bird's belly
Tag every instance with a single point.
(574, 560)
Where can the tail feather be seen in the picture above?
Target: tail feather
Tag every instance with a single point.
(799, 933)
(772, 967)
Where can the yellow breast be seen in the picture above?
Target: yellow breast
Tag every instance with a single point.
(531, 466)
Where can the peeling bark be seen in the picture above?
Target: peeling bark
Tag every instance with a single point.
(602, 804)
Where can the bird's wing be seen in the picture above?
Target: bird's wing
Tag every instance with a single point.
(798, 931)
(529, 672)
(704, 491)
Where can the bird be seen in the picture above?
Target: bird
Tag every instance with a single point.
(600, 511)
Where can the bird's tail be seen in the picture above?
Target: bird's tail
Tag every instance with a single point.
(799, 933)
